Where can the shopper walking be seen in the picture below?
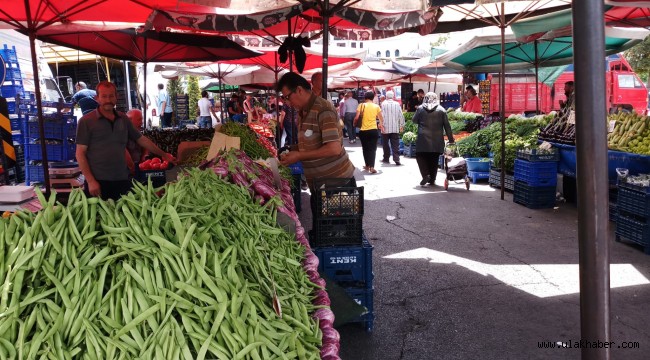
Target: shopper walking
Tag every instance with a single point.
(164, 107)
(432, 120)
(205, 109)
(393, 126)
(350, 110)
(366, 119)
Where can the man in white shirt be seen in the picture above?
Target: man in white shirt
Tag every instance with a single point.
(205, 109)
(350, 104)
(393, 126)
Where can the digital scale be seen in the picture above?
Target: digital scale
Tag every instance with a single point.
(64, 176)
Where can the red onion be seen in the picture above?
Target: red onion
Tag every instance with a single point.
(325, 317)
(331, 336)
(311, 261)
(329, 351)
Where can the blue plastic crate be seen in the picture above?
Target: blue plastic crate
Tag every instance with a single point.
(478, 175)
(534, 197)
(633, 200)
(53, 129)
(365, 298)
(55, 152)
(13, 74)
(348, 266)
(634, 230)
(540, 173)
(409, 150)
(34, 174)
(15, 122)
(9, 55)
(17, 137)
(10, 91)
(478, 164)
(296, 168)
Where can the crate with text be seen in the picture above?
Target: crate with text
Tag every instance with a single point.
(348, 266)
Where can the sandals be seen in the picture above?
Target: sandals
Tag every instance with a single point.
(372, 171)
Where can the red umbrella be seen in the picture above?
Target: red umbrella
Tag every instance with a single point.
(628, 16)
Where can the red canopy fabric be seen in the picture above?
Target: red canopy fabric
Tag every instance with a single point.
(628, 16)
(151, 46)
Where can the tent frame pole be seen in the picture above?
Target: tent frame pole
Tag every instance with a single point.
(502, 98)
(536, 80)
(592, 178)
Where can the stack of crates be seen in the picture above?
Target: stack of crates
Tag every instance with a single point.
(633, 215)
(11, 88)
(60, 131)
(343, 250)
(535, 179)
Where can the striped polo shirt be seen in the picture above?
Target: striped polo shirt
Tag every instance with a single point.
(393, 116)
(318, 125)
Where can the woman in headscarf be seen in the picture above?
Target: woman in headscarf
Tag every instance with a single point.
(368, 129)
(431, 119)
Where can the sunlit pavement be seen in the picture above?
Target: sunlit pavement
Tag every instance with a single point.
(465, 275)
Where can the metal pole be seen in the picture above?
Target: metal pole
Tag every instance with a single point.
(144, 69)
(592, 179)
(37, 90)
(536, 80)
(108, 70)
(502, 98)
(129, 104)
(290, 52)
(221, 93)
(326, 40)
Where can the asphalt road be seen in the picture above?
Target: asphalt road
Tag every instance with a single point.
(465, 275)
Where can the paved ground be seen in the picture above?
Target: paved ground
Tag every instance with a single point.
(465, 275)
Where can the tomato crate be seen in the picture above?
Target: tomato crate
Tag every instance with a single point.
(533, 155)
(495, 179)
(348, 266)
(634, 230)
(158, 177)
(365, 298)
(536, 173)
(534, 197)
(55, 152)
(337, 198)
(53, 129)
(633, 200)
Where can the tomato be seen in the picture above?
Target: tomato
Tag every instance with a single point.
(164, 165)
(155, 161)
(155, 166)
(141, 166)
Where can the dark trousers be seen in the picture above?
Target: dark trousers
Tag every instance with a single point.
(428, 164)
(166, 120)
(349, 125)
(390, 142)
(290, 131)
(369, 144)
(112, 189)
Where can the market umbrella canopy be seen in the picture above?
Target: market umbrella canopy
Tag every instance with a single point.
(152, 46)
(483, 53)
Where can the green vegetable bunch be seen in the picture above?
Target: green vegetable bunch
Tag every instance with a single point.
(457, 126)
(513, 143)
(248, 140)
(409, 138)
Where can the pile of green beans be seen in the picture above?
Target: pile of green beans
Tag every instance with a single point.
(185, 275)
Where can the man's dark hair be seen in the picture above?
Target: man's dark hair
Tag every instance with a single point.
(107, 85)
(570, 83)
(204, 93)
(369, 95)
(234, 95)
(420, 91)
(291, 81)
(161, 86)
(470, 88)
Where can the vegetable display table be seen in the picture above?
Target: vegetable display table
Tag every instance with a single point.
(616, 159)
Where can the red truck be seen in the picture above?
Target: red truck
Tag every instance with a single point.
(623, 87)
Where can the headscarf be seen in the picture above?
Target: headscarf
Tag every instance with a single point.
(430, 101)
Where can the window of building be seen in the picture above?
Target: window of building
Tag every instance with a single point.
(387, 53)
(361, 45)
(354, 45)
(397, 53)
(340, 44)
(378, 53)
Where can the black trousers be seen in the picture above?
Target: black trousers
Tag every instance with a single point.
(112, 189)
(428, 164)
(369, 145)
(390, 142)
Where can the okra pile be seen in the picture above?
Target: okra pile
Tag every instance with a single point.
(190, 274)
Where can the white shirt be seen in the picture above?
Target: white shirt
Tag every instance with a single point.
(351, 105)
(204, 107)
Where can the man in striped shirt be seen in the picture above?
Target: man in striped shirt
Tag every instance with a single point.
(393, 126)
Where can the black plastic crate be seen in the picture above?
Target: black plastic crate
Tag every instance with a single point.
(634, 230)
(634, 200)
(533, 155)
(337, 231)
(495, 180)
(158, 177)
(534, 197)
(613, 212)
(338, 197)
(347, 266)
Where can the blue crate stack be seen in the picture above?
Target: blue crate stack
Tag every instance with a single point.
(351, 268)
(535, 179)
(9, 89)
(60, 129)
(633, 215)
(343, 250)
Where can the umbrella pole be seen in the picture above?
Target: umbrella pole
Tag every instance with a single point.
(220, 93)
(593, 187)
(290, 53)
(502, 99)
(39, 104)
(536, 80)
(145, 88)
(326, 36)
